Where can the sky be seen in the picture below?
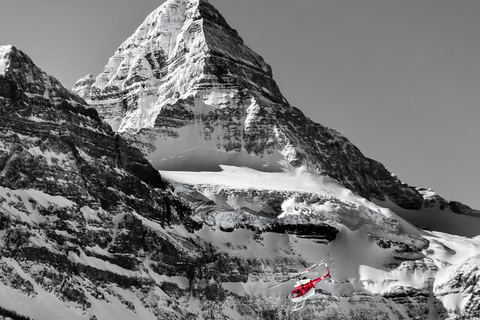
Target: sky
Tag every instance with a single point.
(399, 78)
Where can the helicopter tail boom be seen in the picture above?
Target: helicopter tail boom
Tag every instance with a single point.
(326, 275)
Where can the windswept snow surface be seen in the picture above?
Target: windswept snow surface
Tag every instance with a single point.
(296, 180)
(247, 178)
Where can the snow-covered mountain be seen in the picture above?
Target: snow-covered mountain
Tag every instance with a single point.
(250, 192)
(192, 96)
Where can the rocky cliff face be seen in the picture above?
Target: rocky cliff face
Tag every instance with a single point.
(82, 214)
(53, 142)
(191, 95)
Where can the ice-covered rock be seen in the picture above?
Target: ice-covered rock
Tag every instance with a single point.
(80, 209)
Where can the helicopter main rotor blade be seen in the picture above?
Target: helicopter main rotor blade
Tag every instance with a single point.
(297, 275)
(315, 266)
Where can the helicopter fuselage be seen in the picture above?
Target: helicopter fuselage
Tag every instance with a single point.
(305, 288)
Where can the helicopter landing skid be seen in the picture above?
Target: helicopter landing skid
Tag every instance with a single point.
(298, 306)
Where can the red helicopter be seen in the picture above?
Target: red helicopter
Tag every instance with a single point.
(304, 288)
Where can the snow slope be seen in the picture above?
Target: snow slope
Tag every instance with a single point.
(436, 219)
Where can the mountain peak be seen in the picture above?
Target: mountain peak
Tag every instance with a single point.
(187, 91)
(181, 48)
(4, 49)
(6, 53)
(3, 52)
(13, 58)
(25, 78)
